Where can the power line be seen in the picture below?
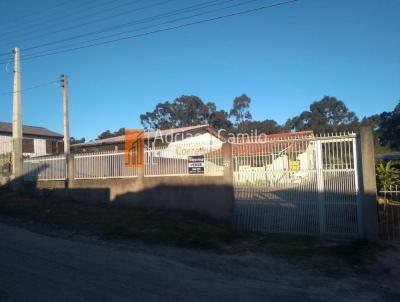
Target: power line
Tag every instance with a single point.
(140, 21)
(146, 27)
(79, 25)
(39, 11)
(37, 18)
(31, 88)
(163, 29)
(88, 23)
(74, 15)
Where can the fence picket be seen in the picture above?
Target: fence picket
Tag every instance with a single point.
(52, 167)
(102, 165)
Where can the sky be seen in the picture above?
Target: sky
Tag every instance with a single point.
(283, 58)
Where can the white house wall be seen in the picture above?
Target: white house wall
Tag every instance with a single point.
(204, 138)
(307, 158)
(179, 149)
(39, 146)
(5, 144)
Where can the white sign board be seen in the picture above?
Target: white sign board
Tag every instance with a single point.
(196, 164)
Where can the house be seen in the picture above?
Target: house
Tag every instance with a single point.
(273, 158)
(273, 155)
(36, 141)
(158, 138)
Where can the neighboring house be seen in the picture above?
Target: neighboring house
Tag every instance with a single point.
(159, 138)
(272, 156)
(37, 141)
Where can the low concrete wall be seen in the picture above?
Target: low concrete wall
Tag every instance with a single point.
(209, 195)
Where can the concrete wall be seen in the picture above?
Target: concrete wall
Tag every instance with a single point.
(209, 195)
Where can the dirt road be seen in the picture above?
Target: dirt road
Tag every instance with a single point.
(37, 267)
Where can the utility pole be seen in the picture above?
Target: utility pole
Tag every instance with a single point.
(64, 85)
(17, 118)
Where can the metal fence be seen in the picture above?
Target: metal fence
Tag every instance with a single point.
(45, 168)
(389, 213)
(173, 159)
(101, 165)
(298, 185)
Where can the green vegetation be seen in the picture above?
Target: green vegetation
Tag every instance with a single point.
(388, 176)
(118, 222)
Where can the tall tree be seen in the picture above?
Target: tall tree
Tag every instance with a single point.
(73, 140)
(389, 128)
(327, 115)
(372, 121)
(240, 111)
(184, 111)
(261, 127)
(220, 120)
(108, 133)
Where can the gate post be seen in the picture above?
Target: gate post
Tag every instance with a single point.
(70, 170)
(228, 163)
(320, 186)
(228, 177)
(368, 185)
(357, 182)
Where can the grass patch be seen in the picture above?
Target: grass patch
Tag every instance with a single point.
(187, 230)
(117, 222)
(301, 247)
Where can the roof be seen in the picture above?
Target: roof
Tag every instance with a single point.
(272, 143)
(30, 130)
(272, 137)
(149, 135)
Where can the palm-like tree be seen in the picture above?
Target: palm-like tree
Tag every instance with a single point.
(388, 177)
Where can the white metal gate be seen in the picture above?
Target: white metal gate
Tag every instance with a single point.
(297, 184)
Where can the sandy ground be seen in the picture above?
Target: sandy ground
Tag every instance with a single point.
(37, 266)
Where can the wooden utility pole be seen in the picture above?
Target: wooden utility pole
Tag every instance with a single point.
(17, 162)
(66, 114)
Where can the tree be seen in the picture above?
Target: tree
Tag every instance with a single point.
(389, 128)
(261, 127)
(220, 120)
(185, 111)
(76, 141)
(108, 133)
(240, 110)
(388, 176)
(159, 118)
(372, 121)
(327, 115)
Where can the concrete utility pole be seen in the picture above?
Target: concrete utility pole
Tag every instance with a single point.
(66, 114)
(17, 118)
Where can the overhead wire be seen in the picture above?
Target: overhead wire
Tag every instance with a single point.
(131, 23)
(188, 24)
(31, 87)
(79, 25)
(87, 23)
(139, 21)
(37, 13)
(62, 19)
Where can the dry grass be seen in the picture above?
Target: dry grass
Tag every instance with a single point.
(186, 230)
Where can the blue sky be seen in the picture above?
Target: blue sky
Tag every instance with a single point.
(283, 58)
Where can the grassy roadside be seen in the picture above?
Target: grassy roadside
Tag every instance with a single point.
(185, 230)
(117, 222)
